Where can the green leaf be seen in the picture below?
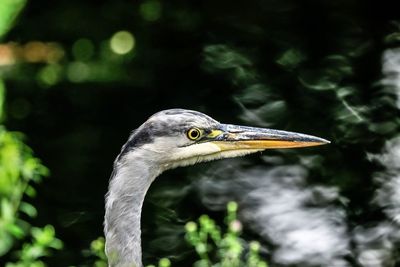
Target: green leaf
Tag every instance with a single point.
(43, 236)
(7, 211)
(56, 244)
(9, 10)
(6, 242)
(164, 262)
(28, 209)
(30, 191)
(31, 252)
(15, 230)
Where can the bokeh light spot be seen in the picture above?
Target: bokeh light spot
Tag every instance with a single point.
(6, 55)
(83, 49)
(35, 51)
(49, 75)
(78, 72)
(150, 10)
(122, 42)
(54, 53)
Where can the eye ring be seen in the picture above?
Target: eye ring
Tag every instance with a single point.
(193, 134)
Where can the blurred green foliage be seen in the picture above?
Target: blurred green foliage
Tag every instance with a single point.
(97, 250)
(42, 244)
(19, 169)
(214, 247)
(218, 249)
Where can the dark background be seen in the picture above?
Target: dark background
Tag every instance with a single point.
(224, 58)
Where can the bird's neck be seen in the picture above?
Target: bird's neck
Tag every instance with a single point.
(131, 179)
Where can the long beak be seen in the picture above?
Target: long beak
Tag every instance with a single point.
(234, 137)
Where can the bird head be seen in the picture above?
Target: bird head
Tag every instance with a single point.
(178, 137)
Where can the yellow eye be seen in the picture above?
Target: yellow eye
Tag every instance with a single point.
(194, 134)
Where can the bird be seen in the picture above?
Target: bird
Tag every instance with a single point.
(169, 139)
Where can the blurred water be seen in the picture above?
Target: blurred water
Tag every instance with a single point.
(391, 71)
(302, 222)
(378, 245)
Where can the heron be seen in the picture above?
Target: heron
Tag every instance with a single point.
(169, 139)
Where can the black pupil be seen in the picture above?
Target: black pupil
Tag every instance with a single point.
(194, 134)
